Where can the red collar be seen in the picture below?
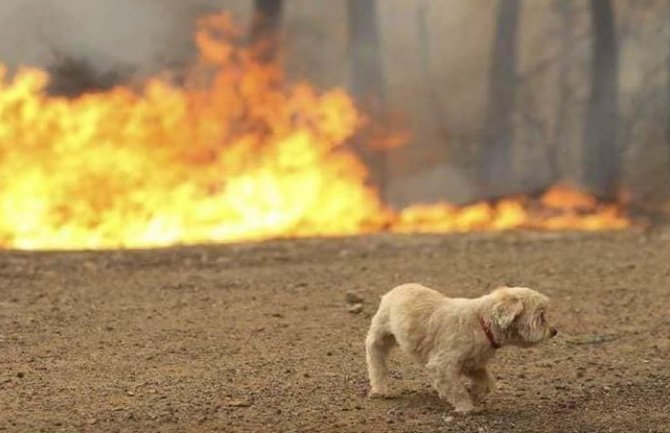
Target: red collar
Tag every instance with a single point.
(489, 334)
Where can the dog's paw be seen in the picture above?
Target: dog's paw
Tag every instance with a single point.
(379, 394)
(479, 396)
(466, 408)
(477, 410)
(478, 393)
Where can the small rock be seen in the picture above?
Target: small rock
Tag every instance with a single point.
(130, 393)
(448, 419)
(592, 339)
(355, 309)
(239, 403)
(353, 298)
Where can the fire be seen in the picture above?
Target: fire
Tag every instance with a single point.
(560, 208)
(234, 155)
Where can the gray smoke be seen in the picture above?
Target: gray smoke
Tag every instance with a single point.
(436, 65)
(142, 35)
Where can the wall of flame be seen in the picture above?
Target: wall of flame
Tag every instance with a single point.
(235, 154)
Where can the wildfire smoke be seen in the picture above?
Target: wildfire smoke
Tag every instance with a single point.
(236, 154)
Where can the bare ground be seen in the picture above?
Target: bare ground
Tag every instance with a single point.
(257, 338)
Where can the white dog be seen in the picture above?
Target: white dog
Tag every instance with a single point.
(453, 337)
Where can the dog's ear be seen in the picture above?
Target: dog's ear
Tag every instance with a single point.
(505, 309)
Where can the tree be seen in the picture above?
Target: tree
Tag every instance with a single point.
(568, 39)
(668, 94)
(265, 28)
(367, 83)
(602, 156)
(366, 62)
(495, 154)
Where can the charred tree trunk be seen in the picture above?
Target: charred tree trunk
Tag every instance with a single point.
(366, 62)
(495, 154)
(668, 94)
(367, 82)
(265, 28)
(566, 12)
(602, 157)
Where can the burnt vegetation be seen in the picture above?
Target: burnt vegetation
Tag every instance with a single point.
(72, 76)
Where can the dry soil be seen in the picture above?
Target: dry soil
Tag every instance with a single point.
(258, 337)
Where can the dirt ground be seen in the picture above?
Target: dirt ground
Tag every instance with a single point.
(258, 338)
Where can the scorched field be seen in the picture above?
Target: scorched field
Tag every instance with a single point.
(263, 337)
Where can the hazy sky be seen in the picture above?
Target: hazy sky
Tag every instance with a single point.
(141, 33)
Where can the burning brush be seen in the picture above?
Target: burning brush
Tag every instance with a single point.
(242, 157)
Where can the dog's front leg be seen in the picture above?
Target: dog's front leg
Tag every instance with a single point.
(482, 384)
(447, 381)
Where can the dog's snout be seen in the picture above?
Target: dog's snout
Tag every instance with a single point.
(553, 331)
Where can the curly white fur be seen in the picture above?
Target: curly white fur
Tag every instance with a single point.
(448, 336)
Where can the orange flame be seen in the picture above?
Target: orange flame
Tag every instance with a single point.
(243, 158)
(560, 208)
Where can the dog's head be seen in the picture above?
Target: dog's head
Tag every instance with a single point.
(520, 315)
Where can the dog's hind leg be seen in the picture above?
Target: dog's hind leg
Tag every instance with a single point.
(378, 344)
